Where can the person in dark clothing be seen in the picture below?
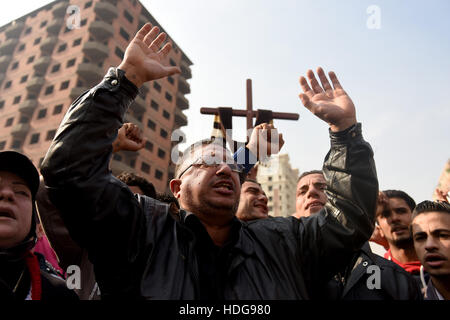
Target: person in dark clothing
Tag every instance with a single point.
(141, 251)
(137, 184)
(368, 276)
(21, 277)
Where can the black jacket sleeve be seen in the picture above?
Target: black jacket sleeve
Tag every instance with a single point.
(101, 213)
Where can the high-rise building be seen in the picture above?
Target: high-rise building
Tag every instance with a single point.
(50, 56)
(444, 180)
(279, 181)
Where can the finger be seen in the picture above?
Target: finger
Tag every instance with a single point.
(165, 50)
(305, 87)
(143, 31)
(314, 83)
(156, 44)
(334, 80)
(172, 70)
(150, 37)
(323, 80)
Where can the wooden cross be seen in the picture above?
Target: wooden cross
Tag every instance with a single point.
(249, 113)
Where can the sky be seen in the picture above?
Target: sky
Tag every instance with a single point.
(393, 62)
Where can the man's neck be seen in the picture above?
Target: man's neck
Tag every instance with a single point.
(442, 284)
(403, 255)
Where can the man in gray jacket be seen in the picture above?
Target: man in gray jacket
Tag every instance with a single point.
(141, 250)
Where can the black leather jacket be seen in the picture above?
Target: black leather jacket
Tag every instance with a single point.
(140, 250)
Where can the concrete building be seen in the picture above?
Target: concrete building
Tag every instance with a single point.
(279, 181)
(53, 54)
(444, 180)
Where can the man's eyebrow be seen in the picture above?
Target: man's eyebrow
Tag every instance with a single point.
(20, 183)
(252, 189)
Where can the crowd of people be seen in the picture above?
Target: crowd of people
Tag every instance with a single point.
(212, 239)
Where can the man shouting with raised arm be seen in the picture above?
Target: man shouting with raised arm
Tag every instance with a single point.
(141, 250)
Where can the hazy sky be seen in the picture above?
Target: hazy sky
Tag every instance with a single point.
(397, 75)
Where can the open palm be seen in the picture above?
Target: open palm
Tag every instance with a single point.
(331, 104)
(144, 60)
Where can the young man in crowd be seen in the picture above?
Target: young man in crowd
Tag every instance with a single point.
(430, 229)
(394, 223)
(252, 202)
(354, 281)
(140, 250)
(21, 277)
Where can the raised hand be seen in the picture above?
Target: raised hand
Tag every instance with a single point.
(331, 104)
(265, 140)
(129, 138)
(144, 60)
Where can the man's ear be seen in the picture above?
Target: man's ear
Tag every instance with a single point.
(175, 187)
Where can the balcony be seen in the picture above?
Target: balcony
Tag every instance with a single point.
(77, 91)
(14, 30)
(4, 63)
(138, 106)
(185, 69)
(183, 85)
(106, 11)
(41, 65)
(90, 72)
(96, 50)
(59, 10)
(182, 102)
(35, 85)
(55, 26)
(180, 118)
(28, 106)
(48, 45)
(7, 47)
(20, 130)
(101, 29)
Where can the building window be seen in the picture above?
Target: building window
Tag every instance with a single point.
(24, 119)
(83, 22)
(43, 23)
(28, 31)
(30, 60)
(161, 153)
(24, 79)
(151, 124)
(128, 16)
(50, 135)
(8, 84)
(21, 47)
(170, 79)
(2, 145)
(149, 146)
(124, 34)
(15, 65)
(58, 109)
(163, 133)
(145, 167)
(166, 114)
(62, 47)
(168, 96)
(37, 41)
(34, 138)
(76, 42)
(49, 90)
(117, 157)
(42, 113)
(16, 144)
(9, 122)
(64, 85)
(56, 68)
(71, 63)
(17, 99)
(172, 63)
(119, 53)
(159, 174)
(2, 104)
(88, 4)
(154, 105)
(270, 188)
(157, 86)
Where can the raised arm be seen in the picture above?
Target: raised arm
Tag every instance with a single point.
(347, 220)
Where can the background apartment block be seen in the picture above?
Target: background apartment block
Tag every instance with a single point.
(44, 66)
(279, 181)
(444, 180)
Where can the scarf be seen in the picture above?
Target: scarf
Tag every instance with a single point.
(35, 275)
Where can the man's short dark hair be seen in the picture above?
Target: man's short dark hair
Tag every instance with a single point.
(307, 173)
(402, 195)
(431, 206)
(252, 181)
(130, 179)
